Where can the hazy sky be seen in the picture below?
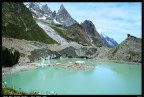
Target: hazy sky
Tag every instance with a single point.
(114, 19)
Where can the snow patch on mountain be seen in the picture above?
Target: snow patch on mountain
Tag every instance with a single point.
(56, 22)
(110, 42)
(42, 17)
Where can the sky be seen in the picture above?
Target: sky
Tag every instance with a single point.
(113, 19)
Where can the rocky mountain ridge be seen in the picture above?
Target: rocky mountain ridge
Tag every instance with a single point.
(128, 50)
(62, 17)
(84, 33)
(92, 33)
(77, 40)
(110, 42)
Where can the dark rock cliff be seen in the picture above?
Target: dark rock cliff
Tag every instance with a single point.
(90, 30)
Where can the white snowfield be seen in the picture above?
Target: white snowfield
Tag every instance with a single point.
(56, 22)
(42, 17)
(50, 32)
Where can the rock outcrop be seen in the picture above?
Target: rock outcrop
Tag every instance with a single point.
(76, 33)
(82, 52)
(46, 9)
(43, 53)
(129, 50)
(54, 14)
(64, 17)
(90, 30)
(34, 6)
(43, 12)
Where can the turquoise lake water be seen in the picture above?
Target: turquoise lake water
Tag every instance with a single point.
(106, 78)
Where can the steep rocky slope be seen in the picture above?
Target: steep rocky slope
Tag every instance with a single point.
(76, 33)
(64, 17)
(129, 50)
(90, 30)
(54, 35)
(66, 26)
(110, 42)
(32, 50)
(17, 22)
(43, 12)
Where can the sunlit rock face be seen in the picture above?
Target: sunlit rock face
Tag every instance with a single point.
(64, 17)
(46, 9)
(41, 11)
(129, 50)
(110, 42)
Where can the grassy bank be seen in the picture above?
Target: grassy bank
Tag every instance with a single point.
(11, 91)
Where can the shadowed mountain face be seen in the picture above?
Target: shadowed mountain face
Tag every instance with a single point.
(129, 50)
(76, 33)
(17, 22)
(93, 35)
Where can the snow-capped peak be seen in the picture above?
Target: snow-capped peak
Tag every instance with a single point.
(110, 42)
(99, 31)
(104, 36)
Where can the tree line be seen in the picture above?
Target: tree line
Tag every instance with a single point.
(8, 58)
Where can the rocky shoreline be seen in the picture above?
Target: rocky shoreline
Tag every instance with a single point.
(32, 66)
(18, 68)
(31, 51)
(116, 61)
(68, 66)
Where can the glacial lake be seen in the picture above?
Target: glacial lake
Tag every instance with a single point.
(105, 79)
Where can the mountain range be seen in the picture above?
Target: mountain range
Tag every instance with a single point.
(62, 17)
(110, 42)
(89, 36)
(39, 26)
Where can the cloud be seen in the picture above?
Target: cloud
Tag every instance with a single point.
(113, 19)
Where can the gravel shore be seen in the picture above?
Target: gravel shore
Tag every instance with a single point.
(114, 61)
(18, 68)
(71, 66)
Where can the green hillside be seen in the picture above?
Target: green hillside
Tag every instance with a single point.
(17, 22)
(72, 33)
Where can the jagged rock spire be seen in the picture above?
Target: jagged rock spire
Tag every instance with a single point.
(54, 14)
(64, 17)
(46, 9)
(62, 6)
